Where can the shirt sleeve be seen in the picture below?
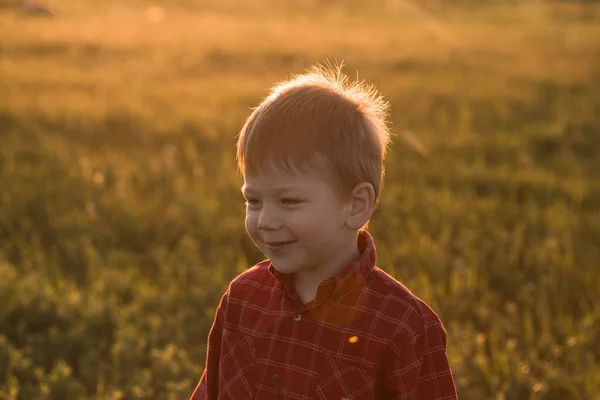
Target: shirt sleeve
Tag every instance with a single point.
(208, 386)
(417, 367)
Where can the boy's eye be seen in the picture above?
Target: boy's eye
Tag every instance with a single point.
(252, 202)
(290, 201)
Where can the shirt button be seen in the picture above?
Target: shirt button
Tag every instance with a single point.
(275, 378)
(297, 317)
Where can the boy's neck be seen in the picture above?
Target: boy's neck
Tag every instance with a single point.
(307, 282)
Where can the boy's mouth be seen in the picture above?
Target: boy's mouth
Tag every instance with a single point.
(276, 245)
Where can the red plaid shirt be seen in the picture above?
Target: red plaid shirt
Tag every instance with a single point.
(364, 336)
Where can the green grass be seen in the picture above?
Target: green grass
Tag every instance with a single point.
(121, 220)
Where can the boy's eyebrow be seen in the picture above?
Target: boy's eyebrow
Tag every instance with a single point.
(247, 190)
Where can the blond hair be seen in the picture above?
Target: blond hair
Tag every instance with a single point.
(318, 115)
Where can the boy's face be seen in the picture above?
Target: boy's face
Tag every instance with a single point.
(298, 220)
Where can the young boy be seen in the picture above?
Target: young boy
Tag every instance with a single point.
(318, 319)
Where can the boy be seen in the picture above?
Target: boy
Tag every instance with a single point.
(318, 319)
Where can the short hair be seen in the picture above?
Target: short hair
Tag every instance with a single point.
(318, 115)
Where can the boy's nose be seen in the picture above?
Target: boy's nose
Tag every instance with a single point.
(268, 219)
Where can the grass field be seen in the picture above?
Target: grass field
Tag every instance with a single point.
(121, 220)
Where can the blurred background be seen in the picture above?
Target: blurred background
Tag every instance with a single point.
(121, 219)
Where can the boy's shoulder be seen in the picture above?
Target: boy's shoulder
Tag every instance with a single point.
(398, 302)
(257, 277)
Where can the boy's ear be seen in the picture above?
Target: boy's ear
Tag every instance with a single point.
(362, 203)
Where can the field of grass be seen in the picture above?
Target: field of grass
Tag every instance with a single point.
(121, 220)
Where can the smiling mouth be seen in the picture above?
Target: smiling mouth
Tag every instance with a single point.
(278, 244)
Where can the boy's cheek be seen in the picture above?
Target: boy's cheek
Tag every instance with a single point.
(250, 225)
(255, 239)
(253, 231)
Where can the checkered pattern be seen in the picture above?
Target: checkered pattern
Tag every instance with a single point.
(364, 336)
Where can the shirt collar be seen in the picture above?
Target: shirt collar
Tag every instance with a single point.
(348, 278)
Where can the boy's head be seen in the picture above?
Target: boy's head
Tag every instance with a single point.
(311, 155)
(318, 120)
